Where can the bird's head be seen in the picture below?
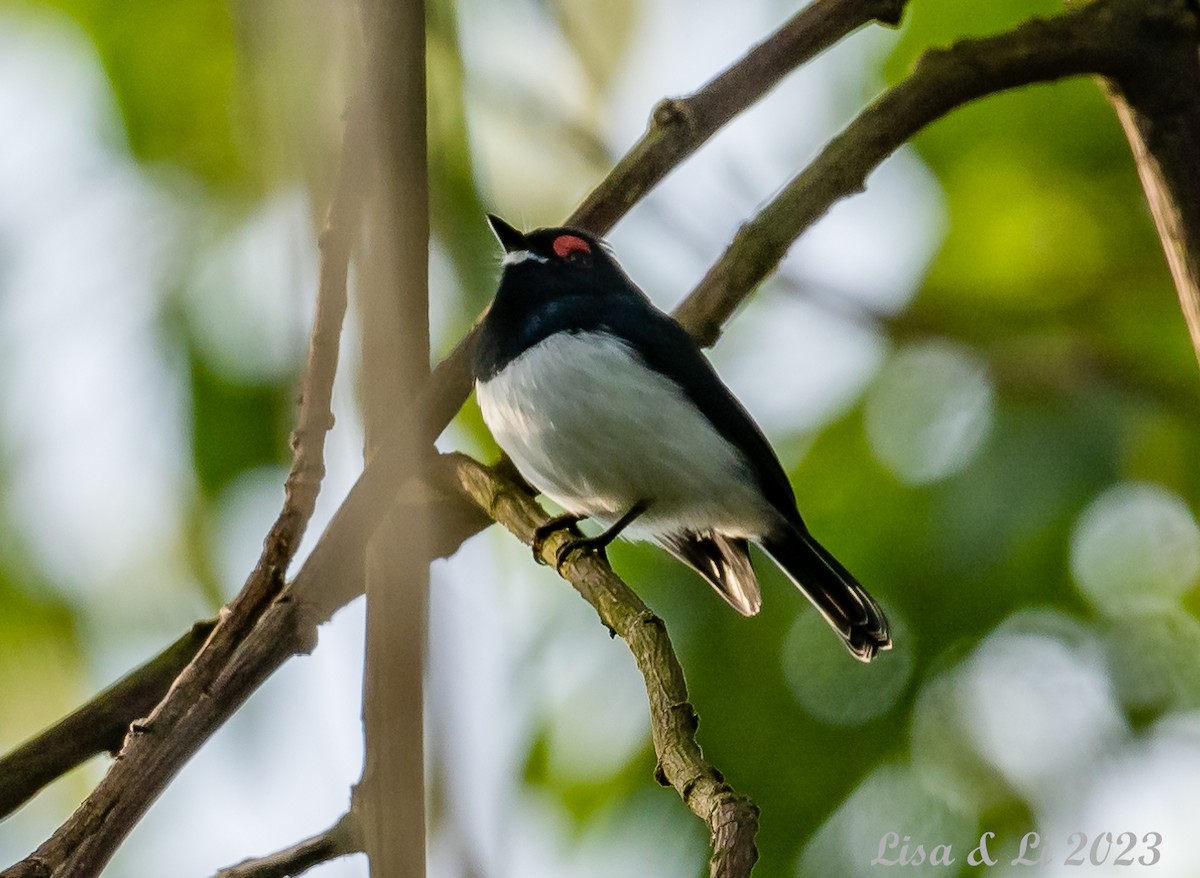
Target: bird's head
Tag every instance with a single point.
(565, 260)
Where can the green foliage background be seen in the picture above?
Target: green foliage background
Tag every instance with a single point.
(1050, 278)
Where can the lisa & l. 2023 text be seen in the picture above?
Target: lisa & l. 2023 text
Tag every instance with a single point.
(1121, 849)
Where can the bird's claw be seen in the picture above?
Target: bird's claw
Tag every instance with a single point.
(545, 531)
(595, 545)
(538, 542)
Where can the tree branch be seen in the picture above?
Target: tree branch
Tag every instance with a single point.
(339, 840)
(732, 819)
(97, 727)
(315, 418)
(680, 126)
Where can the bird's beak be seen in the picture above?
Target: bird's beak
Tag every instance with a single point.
(510, 239)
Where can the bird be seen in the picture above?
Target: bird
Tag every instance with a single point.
(607, 406)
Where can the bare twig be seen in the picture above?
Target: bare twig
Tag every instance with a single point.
(97, 727)
(315, 417)
(732, 819)
(339, 840)
(680, 126)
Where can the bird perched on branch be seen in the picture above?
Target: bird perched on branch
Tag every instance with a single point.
(606, 405)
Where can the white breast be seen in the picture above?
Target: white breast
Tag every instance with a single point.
(597, 431)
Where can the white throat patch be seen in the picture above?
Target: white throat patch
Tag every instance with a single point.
(516, 257)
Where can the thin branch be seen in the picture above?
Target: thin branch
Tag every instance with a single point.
(315, 418)
(732, 818)
(680, 126)
(339, 840)
(97, 727)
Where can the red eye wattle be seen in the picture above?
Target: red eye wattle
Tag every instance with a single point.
(565, 245)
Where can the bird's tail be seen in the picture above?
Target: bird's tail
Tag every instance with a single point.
(845, 604)
(724, 562)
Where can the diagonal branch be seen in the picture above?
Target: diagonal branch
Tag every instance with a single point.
(680, 126)
(97, 727)
(339, 840)
(732, 819)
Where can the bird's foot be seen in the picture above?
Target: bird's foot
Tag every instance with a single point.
(543, 533)
(576, 541)
(596, 545)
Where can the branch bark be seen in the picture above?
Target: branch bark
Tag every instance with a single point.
(732, 819)
(339, 840)
(97, 727)
(680, 126)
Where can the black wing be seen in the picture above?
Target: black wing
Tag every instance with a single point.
(666, 347)
(663, 345)
(724, 562)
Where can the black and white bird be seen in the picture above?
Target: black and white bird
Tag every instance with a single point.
(606, 405)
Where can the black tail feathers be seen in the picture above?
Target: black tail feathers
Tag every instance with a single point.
(724, 562)
(845, 604)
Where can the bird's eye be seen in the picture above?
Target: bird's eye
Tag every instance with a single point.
(572, 248)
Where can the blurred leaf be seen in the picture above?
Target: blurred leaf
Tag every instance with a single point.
(296, 70)
(457, 209)
(42, 674)
(173, 68)
(236, 427)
